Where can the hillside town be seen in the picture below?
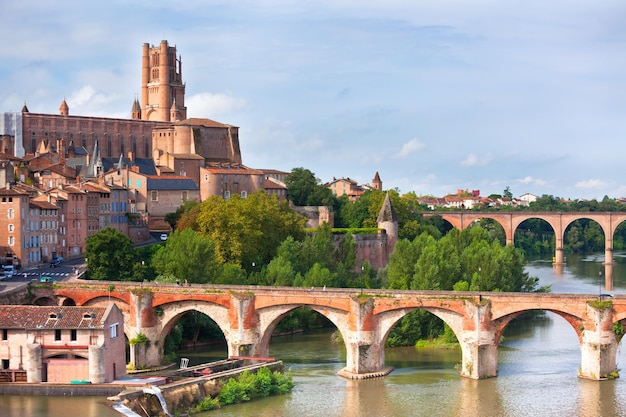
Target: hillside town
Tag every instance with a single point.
(64, 177)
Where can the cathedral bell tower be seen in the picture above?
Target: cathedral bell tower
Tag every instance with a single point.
(162, 87)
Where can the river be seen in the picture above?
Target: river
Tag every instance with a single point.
(538, 367)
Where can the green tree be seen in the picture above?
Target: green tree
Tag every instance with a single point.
(280, 272)
(248, 231)
(110, 256)
(303, 189)
(318, 247)
(187, 256)
(173, 218)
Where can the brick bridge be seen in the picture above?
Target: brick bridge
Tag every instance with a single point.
(559, 221)
(247, 315)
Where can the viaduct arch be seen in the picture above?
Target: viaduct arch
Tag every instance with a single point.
(559, 221)
(248, 315)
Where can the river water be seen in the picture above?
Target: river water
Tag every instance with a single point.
(538, 367)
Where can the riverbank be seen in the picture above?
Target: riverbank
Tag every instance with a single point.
(188, 387)
(61, 390)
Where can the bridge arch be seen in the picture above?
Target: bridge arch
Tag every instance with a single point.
(173, 312)
(44, 301)
(390, 317)
(575, 322)
(269, 317)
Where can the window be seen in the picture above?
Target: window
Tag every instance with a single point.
(73, 335)
(11, 213)
(57, 335)
(244, 194)
(154, 195)
(5, 334)
(11, 228)
(113, 330)
(226, 195)
(11, 240)
(184, 195)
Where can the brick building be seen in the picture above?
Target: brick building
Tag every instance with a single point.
(62, 344)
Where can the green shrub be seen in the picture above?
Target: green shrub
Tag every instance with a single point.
(250, 385)
(232, 393)
(207, 404)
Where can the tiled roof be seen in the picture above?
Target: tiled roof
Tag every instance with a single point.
(200, 122)
(188, 156)
(232, 169)
(171, 183)
(43, 204)
(145, 165)
(51, 317)
(11, 192)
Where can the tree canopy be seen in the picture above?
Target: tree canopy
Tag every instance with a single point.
(187, 256)
(303, 189)
(245, 231)
(110, 256)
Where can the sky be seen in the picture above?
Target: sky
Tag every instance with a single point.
(434, 95)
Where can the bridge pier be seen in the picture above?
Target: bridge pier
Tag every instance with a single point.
(598, 344)
(243, 338)
(365, 351)
(142, 321)
(478, 340)
(559, 257)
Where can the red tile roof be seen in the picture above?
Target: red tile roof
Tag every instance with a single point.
(51, 317)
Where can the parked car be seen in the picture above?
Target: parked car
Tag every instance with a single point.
(55, 262)
(45, 278)
(163, 236)
(8, 270)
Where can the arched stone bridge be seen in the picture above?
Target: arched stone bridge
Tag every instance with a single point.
(559, 221)
(247, 315)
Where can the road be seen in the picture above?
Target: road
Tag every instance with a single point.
(66, 271)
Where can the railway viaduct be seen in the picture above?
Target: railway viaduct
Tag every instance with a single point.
(559, 221)
(247, 315)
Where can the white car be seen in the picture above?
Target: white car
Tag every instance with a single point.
(163, 236)
(8, 270)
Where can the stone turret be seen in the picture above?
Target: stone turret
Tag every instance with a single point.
(377, 183)
(64, 109)
(135, 112)
(388, 221)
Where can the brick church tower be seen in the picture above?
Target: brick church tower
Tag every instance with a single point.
(162, 87)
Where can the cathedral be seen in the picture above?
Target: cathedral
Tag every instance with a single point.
(157, 129)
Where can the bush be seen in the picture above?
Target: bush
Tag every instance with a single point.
(232, 393)
(207, 404)
(250, 385)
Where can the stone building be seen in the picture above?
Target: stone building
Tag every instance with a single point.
(163, 106)
(226, 180)
(162, 87)
(62, 344)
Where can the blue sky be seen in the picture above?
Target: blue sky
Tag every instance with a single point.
(434, 95)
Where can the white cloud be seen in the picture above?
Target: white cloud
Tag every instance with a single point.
(410, 147)
(591, 184)
(473, 160)
(531, 180)
(211, 105)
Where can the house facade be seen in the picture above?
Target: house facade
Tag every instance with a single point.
(62, 344)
